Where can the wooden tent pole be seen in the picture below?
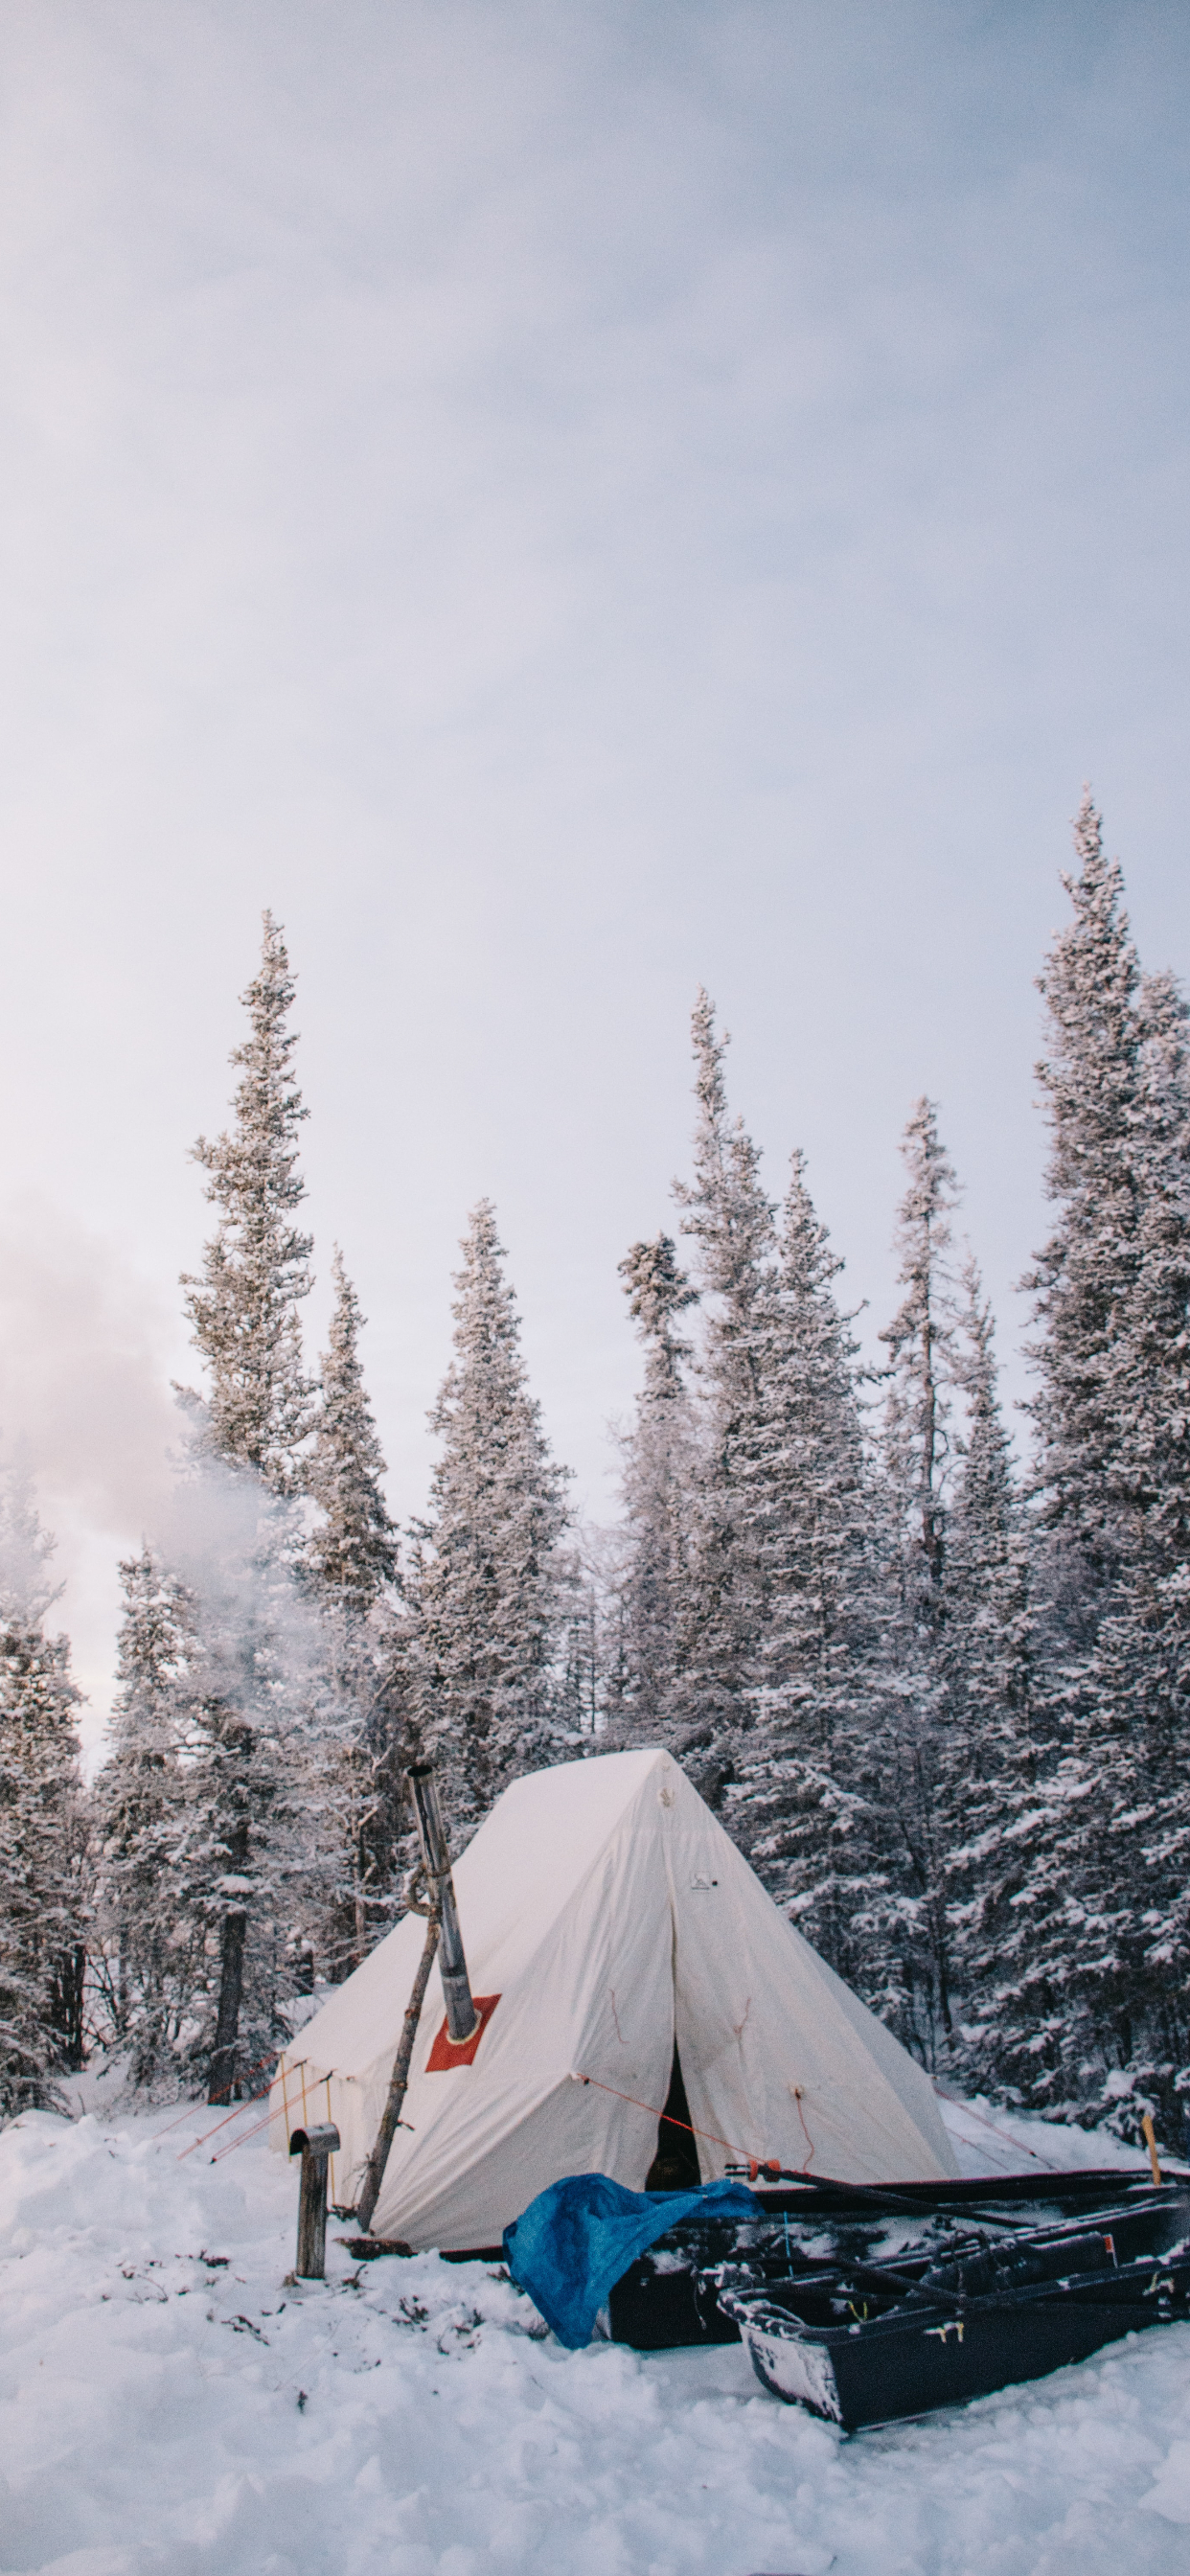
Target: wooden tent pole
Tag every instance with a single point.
(399, 2079)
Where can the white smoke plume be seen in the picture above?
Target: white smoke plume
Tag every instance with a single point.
(89, 1415)
(225, 1538)
(86, 1354)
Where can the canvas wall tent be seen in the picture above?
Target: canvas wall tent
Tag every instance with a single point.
(611, 1914)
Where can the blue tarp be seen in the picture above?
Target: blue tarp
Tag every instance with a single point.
(575, 2240)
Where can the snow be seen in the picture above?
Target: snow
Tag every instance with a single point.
(988, 2139)
(170, 2401)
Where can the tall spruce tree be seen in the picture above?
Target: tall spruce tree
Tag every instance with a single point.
(919, 1753)
(246, 1869)
(921, 1365)
(147, 1958)
(1149, 1379)
(243, 1307)
(727, 1213)
(257, 1415)
(990, 1656)
(352, 1553)
(1099, 2014)
(649, 1693)
(42, 1932)
(351, 1568)
(1135, 1969)
(1084, 1279)
(989, 1643)
(593, 1663)
(489, 1581)
(803, 1807)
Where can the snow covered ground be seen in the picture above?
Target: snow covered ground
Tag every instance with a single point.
(169, 2401)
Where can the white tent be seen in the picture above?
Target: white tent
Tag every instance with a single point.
(610, 1913)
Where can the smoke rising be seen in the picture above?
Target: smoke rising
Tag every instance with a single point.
(86, 1352)
(224, 1536)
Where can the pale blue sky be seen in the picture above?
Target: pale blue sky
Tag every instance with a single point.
(562, 503)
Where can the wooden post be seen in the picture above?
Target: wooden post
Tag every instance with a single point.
(313, 2145)
(1151, 2143)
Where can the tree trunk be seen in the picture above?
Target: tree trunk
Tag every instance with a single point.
(231, 1987)
(66, 2009)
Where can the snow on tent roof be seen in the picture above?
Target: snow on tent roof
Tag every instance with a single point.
(605, 1906)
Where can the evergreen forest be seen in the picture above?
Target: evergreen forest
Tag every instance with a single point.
(935, 1683)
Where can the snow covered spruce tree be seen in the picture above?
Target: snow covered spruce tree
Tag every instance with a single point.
(989, 1656)
(243, 1307)
(731, 1220)
(590, 1698)
(920, 1754)
(1135, 1983)
(957, 1748)
(1102, 2014)
(774, 1569)
(352, 1553)
(250, 1867)
(250, 1431)
(42, 1931)
(350, 1563)
(804, 1804)
(489, 1577)
(147, 1960)
(1153, 1386)
(648, 1697)
(1084, 1280)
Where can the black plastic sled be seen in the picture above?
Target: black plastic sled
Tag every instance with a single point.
(867, 2342)
(670, 2296)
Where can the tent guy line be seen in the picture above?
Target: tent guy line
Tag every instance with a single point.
(213, 2132)
(755, 2164)
(968, 2108)
(257, 2130)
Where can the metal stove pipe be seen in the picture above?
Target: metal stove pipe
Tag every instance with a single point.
(461, 2016)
